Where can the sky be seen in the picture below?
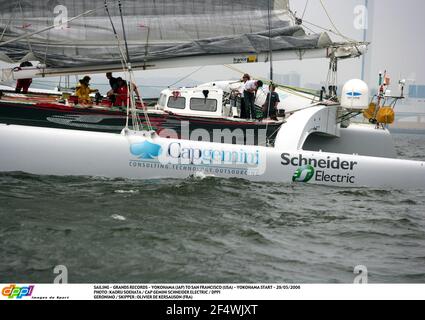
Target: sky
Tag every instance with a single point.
(395, 32)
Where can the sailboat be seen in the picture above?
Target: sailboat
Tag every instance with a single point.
(208, 35)
(316, 145)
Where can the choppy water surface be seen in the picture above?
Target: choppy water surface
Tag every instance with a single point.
(209, 230)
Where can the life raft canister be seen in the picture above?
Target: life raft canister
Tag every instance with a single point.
(386, 115)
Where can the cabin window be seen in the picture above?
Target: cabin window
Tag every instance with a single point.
(177, 103)
(162, 100)
(200, 104)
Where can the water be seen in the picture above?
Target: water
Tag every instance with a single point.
(209, 230)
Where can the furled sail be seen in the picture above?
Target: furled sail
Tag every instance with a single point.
(156, 30)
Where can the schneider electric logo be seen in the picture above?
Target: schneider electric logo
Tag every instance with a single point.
(331, 170)
(13, 291)
(303, 174)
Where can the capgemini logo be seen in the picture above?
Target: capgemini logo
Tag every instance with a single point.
(303, 174)
(146, 150)
(13, 291)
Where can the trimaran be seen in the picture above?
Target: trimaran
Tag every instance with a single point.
(316, 145)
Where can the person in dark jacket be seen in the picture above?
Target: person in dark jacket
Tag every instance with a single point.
(23, 84)
(114, 83)
(272, 101)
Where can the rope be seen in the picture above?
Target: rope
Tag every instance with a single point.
(305, 9)
(8, 23)
(23, 19)
(333, 24)
(336, 31)
(130, 81)
(123, 31)
(185, 77)
(288, 89)
(122, 56)
(330, 31)
(269, 13)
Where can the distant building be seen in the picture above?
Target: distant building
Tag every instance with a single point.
(417, 91)
(290, 79)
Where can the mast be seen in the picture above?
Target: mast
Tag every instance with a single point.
(269, 13)
(368, 38)
(364, 40)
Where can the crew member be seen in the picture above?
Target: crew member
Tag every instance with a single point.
(83, 91)
(250, 91)
(121, 94)
(270, 106)
(23, 84)
(113, 82)
(244, 114)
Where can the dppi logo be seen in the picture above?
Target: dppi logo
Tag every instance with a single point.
(146, 150)
(13, 291)
(303, 174)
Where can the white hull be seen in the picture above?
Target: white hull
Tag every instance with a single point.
(46, 151)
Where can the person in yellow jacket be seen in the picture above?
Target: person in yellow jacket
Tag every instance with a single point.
(83, 91)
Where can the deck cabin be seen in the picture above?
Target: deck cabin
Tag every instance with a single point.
(202, 102)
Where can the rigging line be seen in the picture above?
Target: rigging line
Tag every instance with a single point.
(114, 30)
(305, 9)
(273, 133)
(23, 19)
(9, 22)
(299, 92)
(331, 21)
(125, 71)
(129, 78)
(288, 89)
(293, 90)
(185, 77)
(269, 16)
(132, 83)
(330, 31)
(294, 18)
(309, 29)
(269, 12)
(122, 56)
(45, 53)
(123, 31)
